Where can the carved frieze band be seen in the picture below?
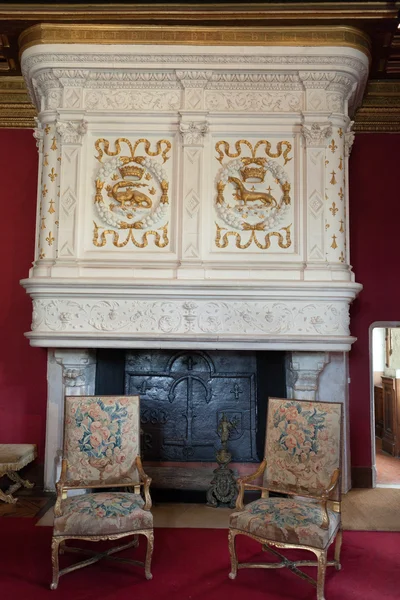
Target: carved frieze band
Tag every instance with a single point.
(228, 317)
(193, 89)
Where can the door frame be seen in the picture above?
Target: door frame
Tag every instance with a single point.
(385, 325)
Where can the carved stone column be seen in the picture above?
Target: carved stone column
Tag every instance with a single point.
(71, 134)
(69, 373)
(193, 134)
(49, 186)
(304, 369)
(335, 196)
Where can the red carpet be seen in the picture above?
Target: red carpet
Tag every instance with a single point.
(193, 564)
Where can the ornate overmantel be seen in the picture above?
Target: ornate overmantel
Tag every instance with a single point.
(193, 186)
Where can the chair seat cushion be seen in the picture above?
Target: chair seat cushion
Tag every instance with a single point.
(286, 520)
(103, 513)
(14, 457)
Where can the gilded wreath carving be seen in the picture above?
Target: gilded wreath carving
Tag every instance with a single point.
(253, 208)
(131, 194)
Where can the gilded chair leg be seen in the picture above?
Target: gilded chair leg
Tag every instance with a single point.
(321, 574)
(232, 552)
(54, 560)
(338, 546)
(149, 552)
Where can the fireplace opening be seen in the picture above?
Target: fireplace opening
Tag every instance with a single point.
(183, 396)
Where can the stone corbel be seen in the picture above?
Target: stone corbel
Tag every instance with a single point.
(38, 135)
(349, 137)
(193, 132)
(71, 132)
(316, 134)
(304, 369)
(78, 371)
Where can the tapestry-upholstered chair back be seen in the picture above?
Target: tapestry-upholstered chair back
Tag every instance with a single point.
(303, 444)
(101, 438)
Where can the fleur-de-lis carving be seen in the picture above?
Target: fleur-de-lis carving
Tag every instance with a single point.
(341, 257)
(44, 191)
(340, 132)
(333, 146)
(333, 209)
(52, 174)
(50, 239)
(340, 194)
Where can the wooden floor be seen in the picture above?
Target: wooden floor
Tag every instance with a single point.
(387, 467)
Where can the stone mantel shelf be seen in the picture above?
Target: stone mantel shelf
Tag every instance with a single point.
(177, 288)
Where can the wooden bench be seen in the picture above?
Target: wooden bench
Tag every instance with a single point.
(13, 457)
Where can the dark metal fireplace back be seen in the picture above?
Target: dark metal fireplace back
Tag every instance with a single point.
(184, 396)
(185, 393)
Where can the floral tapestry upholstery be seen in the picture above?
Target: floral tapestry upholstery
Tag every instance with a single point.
(286, 520)
(303, 443)
(102, 438)
(104, 513)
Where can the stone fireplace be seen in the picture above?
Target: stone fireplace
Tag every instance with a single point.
(192, 198)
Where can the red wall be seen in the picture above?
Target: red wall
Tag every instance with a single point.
(22, 368)
(375, 256)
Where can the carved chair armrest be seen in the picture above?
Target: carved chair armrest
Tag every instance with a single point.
(61, 488)
(145, 481)
(243, 483)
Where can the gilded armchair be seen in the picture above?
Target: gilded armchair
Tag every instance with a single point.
(302, 461)
(101, 450)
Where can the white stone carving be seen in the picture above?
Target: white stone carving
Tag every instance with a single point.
(316, 135)
(250, 101)
(228, 317)
(193, 132)
(136, 100)
(38, 135)
(349, 138)
(71, 132)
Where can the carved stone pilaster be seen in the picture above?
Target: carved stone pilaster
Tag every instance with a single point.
(303, 371)
(69, 373)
